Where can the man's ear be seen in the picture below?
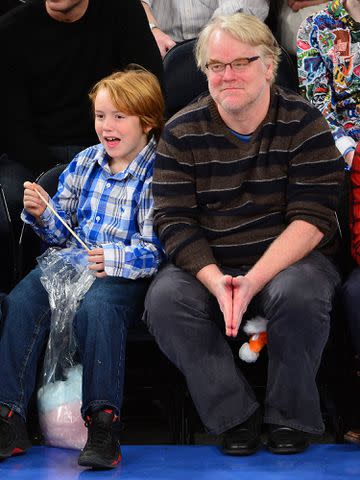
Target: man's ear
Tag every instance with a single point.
(269, 66)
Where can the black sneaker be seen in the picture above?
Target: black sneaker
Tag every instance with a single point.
(14, 438)
(102, 449)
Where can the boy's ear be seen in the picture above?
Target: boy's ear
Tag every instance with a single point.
(147, 128)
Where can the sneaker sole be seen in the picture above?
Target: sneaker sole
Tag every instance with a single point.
(243, 452)
(287, 450)
(13, 453)
(98, 463)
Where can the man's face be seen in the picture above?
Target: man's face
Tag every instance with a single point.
(64, 7)
(237, 91)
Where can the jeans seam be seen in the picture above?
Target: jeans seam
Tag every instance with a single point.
(28, 354)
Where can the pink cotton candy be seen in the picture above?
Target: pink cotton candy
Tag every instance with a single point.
(63, 426)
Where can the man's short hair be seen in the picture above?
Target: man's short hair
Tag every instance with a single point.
(246, 28)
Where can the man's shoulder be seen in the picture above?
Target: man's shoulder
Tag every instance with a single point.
(291, 105)
(195, 112)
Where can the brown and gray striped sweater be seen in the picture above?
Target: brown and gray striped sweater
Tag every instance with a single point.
(221, 200)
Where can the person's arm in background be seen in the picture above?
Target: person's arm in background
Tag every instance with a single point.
(164, 41)
(259, 8)
(17, 134)
(297, 5)
(315, 82)
(138, 44)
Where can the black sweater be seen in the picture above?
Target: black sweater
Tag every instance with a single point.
(48, 68)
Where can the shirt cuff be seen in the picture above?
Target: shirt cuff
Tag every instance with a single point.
(344, 143)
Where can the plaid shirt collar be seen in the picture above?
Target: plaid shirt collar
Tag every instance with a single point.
(138, 168)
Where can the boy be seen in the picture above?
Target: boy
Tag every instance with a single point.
(105, 197)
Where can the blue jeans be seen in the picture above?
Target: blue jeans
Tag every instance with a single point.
(189, 328)
(111, 305)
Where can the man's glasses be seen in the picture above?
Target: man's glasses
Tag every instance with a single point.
(236, 65)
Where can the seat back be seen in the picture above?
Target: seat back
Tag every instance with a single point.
(7, 247)
(30, 245)
(287, 76)
(183, 80)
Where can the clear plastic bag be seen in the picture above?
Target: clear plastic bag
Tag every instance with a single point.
(66, 277)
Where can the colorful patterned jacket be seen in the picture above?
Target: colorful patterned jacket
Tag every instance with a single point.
(328, 46)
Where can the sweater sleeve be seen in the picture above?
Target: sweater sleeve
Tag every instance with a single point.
(176, 210)
(315, 174)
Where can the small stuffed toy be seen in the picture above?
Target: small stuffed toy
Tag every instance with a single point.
(256, 328)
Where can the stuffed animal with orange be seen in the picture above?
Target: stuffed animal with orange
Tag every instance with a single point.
(256, 328)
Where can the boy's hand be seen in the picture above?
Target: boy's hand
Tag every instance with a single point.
(96, 260)
(32, 202)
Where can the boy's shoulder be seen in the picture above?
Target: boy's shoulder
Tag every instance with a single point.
(85, 160)
(90, 155)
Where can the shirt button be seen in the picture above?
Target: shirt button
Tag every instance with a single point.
(97, 218)
(108, 185)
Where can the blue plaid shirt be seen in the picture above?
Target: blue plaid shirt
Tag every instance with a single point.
(111, 211)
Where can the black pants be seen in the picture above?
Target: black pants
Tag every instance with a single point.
(350, 298)
(187, 324)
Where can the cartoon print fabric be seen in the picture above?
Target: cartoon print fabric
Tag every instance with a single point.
(328, 48)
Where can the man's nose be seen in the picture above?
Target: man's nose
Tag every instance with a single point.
(229, 73)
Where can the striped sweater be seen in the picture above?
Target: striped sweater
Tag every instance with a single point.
(221, 200)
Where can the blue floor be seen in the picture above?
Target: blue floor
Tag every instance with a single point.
(158, 462)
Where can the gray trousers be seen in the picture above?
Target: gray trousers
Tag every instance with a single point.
(188, 326)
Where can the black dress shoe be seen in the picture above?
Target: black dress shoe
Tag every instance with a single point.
(286, 440)
(243, 439)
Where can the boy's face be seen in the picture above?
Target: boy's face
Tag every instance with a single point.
(121, 135)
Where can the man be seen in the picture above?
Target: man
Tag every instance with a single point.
(245, 185)
(52, 53)
(172, 21)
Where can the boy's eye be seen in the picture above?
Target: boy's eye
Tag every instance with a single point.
(118, 115)
(99, 115)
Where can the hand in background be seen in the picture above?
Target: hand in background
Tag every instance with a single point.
(164, 42)
(297, 5)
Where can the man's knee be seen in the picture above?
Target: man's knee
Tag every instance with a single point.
(174, 294)
(308, 285)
